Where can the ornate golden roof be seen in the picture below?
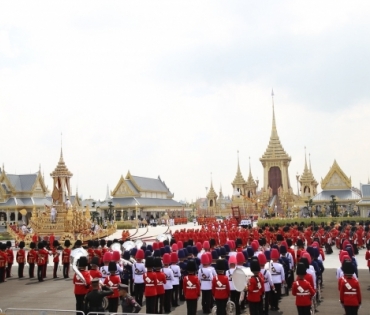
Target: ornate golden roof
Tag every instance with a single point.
(251, 182)
(307, 176)
(211, 193)
(275, 149)
(336, 179)
(239, 179)
(61, 170)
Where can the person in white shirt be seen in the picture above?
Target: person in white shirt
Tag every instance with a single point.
(205, 276)
(234, 294)
(169, 280)
(175, 283)
(269, 284)
(68, 203)
(138, 269)
(53, 214)
(278, 278)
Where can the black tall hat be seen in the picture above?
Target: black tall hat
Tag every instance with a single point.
(220, 265)
(212, 242)
(301, 269)
(96, 243)
(82, 262)
(95, 261)
(348, 268)
(255, 266)
(149, 262)
(32, 245)
(40, 245)
(78, 243)
(157, 262)
(191, 266)
(67, 243)
(190, 242)
(109, 243)
(8, 244)
(279, 238)
(21, 244)
(55, 243)
(102, 242)
(112, 267)
(238, 242)
(90, 243)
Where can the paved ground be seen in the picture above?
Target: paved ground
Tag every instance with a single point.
(58, 294)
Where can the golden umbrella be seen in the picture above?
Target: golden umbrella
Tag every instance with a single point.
(23, 211)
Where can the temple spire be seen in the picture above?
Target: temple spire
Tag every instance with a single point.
(305, 159)
(274, 129)
(309, 159)
(238, 180)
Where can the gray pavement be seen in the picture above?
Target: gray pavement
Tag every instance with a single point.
(58, 294)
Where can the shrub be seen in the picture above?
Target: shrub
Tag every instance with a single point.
(125, 225)
(306, 221)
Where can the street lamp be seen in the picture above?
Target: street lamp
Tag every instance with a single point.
(110, 211)
(137, 222)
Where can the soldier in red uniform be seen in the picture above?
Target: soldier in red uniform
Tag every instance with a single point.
(66, 258)
(3, 259)
(150, 281)
(221, 287)
(161, 281)
(303, 291)
(81, 286)
(10, 259)
(42, 258)
(112, 281)
(256, 289)
(21, 258)
(55, 253)
(191, 288)
(31, 260)
(350, 292)
(94, 271)
(367, 256)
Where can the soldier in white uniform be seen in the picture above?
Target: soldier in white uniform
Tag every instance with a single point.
(278, 278)
(138, 269)
(269, 284)
(234, 294)
(168, 285)
(205, 276)
(175, 283)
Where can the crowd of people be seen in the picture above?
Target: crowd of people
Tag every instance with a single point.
(281, 259)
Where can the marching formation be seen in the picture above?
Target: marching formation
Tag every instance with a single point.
(230, 269)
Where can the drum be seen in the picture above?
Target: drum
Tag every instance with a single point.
(240, 278)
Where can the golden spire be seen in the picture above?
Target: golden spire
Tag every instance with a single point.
(211, 193)
(250, 181)
(61, 169)
(307, 176)
(239, 179)
(274, 149)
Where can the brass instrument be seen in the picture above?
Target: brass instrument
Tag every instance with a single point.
(139, 243)
(230, 308)
(117, 247)
(75, 256)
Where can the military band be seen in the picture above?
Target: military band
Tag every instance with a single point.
(181, 268)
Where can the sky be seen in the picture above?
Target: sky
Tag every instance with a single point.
(176, 88)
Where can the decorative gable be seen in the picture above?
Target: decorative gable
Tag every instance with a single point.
(39, 188)
(122, 189)
(2, 194)
(336, 179)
